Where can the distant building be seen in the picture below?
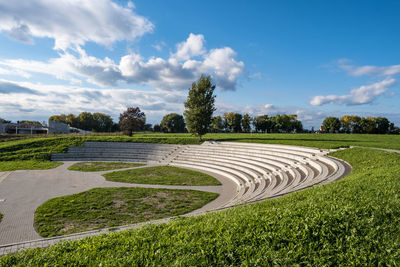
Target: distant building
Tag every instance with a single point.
(76, 130)
(22, 128)
(56, 127)
(3, 128)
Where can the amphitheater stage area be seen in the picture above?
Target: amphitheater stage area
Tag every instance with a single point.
(248, 173)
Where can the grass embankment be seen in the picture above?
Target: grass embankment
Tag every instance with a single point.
(353, 221)
(35, 153)
(164, 175)
(107, 207)
(102, 166)
(315, 140)
(38, 150)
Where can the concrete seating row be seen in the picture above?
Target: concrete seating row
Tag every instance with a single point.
(117, 151)
(261, 171)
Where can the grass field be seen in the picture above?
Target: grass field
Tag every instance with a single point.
(34, 153)
(107, 207)
(165, 175)
(354, 221)
(96, 166)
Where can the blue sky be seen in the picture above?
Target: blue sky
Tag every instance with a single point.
(310, 58)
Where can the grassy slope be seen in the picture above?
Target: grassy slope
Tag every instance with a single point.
(107, 207)
(165, 175)
(102, 166)
(354, 221)
(38, 150)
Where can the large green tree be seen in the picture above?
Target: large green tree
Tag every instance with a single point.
(331, 124)
(200, 106)
(173, 123)
(131, 120)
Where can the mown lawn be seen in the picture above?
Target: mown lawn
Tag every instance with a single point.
(96, 166)
(164, 175)
(353, 221)
(107, 207)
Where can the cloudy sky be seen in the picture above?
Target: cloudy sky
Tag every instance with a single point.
(310, 58)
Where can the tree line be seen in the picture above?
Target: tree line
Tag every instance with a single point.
(357, 124)
(236, 122)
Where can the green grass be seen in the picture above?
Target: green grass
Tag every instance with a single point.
(108, 207)
(40, 148)
(315, 140)
(354, 221)
(1, 217)
(28, 165)
(96, 166)
(164, 175)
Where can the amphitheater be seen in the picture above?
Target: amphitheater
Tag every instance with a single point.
(259, 171)
(248, 173)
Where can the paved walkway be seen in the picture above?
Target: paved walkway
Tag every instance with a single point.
(22, 192)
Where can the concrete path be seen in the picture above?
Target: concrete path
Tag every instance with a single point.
(22, 192)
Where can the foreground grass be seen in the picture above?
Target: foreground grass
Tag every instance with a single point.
(96, 166)
(107, 207)
(354, 221)
(164, 175)
(40, 148)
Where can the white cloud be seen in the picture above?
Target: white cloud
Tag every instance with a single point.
(15, 72)
(166, 74)
(368, 70)
(362, 95)
(70, 99)
(159, 46)
(72, 23)
(192, 47)
(269, 106)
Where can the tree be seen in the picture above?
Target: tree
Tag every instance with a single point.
(229, 120)
(131, 120)
(355, 124)
(173, 123)
(217, 124)
(345, 122)
(157, 128)
(246, 121)
(237, 123)
(4, 121)
(331, 124)
(86, 121)
(368, 125)
(382, 125)
(261, 123)
(102, 122)
(199, 106)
